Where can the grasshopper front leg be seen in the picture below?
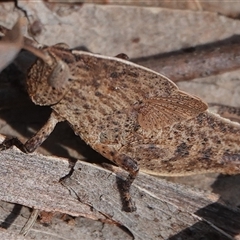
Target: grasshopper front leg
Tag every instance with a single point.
(34, 142)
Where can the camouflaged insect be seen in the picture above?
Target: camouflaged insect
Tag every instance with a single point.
(131, 115)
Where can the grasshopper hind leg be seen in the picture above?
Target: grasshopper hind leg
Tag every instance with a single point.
(129, 165)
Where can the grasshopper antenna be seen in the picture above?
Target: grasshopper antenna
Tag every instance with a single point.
(38, 53)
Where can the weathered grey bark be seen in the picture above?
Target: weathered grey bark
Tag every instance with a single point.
(202, 61)
(164, 210)
(11, 236)
(225, 8)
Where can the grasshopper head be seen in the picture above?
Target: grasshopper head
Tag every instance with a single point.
(48, 81)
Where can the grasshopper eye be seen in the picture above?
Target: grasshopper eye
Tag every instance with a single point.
(59, 75)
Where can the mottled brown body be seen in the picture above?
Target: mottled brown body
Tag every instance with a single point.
(132, 115)
(103, 103)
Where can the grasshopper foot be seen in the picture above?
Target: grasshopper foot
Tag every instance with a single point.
(128, 203)
(8, 143)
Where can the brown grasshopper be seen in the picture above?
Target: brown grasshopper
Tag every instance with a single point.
(131, 115)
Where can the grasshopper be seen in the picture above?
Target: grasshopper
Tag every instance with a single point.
(133, 116)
